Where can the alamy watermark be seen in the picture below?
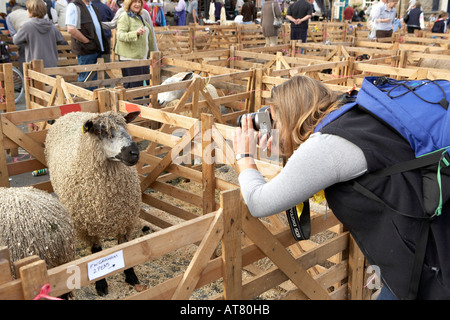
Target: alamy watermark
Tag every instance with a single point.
(219, 154)
(374, 280)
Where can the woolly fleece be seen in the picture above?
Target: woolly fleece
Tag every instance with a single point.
(33, 222)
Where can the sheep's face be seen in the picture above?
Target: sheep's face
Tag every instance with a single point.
(166, 97)
(120, 147)
(115, 141)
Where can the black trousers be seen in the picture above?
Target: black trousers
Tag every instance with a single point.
(383, 33)
(299, 34)
(412, 29)
(134, 71)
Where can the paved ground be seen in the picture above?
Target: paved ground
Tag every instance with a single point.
(27, 178)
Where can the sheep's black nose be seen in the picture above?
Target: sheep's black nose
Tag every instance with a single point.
(129, 155)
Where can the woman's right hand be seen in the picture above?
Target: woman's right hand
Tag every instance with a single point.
(140, 31)
(245, 137)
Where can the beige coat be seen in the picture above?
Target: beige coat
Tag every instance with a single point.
(267, 18)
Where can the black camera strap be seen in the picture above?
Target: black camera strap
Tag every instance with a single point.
(299, 218)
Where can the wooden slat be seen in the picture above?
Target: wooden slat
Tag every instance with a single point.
(161, 166)
(208, 174)
(135, 252)
(4, 176)
(200, 259)
(5, 267)
(256, 231)
(33, 276)
(231, 244)
(19, 137)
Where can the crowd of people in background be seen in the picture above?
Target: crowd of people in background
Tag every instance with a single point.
(35, 28)
(89, 23)
(383, 18)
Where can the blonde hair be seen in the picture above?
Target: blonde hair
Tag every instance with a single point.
(36, 8)
(127, 5)
(300, 104)
(443, 14)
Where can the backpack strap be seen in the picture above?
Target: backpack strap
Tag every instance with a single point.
(416, 163)
(432, 158)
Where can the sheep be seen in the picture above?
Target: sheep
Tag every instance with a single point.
(33, 222)
(432, 63)
(91, 160)
(166, 97)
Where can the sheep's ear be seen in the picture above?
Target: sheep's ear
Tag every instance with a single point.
(129, 117)
(188, 76)
(87, 126)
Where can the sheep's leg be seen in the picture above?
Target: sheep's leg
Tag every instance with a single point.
(130, 275)
(101, 285)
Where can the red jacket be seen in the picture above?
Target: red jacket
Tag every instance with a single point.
(348, 13)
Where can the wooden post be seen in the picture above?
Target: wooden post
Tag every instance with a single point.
(258, 89)
(250, 86)
(285, 33)
(23, 262)
(208, 159)
(155, 74)
(191, 39)
(4, 175)
(101, 70)
(104, 101)
(27, 83)
(197, 84)
(278, 60)
(34, 276)
(59, 90)
(356, 271)
(239, 35)
(230, 203)
(231, 55)
(38, 66)
(5, 265)
(115, 96)
(8, 85)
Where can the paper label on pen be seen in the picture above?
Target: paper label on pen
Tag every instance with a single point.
(103, 266)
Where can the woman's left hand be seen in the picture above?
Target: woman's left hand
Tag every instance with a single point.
(245, 138)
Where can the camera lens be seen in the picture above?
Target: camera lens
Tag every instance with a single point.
(253, 115)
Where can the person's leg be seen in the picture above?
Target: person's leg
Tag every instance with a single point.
(21, 58)
(295, 34)
(303, 35)
(134, 71)
(87, 59)
(273, 41)
(107, 57)
(386, 294)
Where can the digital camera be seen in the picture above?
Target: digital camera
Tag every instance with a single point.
(262, 121)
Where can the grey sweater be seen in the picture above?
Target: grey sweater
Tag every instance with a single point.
(40, 37)
(323, 160)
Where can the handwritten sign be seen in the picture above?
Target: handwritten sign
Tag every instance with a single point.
(103, 266)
